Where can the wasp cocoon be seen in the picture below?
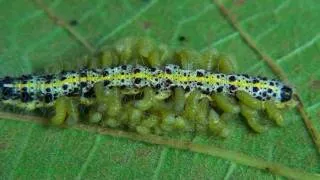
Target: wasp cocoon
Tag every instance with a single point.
(217, 126)
(225, 103)
(226, 64)
(252, 118)
(248, 100)
(179, 99)
(60, 111)
(209, 59)
(147, 101)
(274, 113)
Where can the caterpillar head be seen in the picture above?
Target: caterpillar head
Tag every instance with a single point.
(287, 99)
(286, 93)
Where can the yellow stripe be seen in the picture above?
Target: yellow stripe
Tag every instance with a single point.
(148, 76)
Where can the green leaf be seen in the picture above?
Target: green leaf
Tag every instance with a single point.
(286, 30)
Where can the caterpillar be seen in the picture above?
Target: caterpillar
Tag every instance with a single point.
(152, 98)
(38, 91)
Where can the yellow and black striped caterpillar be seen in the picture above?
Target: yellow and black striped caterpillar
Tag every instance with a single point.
(156, 97)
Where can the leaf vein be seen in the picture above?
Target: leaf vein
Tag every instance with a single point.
(298, 49)
(231, 169)
(190, 19)
(19, 156)
(313, 107)
(160, 163)
(126, 23)
(89, 157)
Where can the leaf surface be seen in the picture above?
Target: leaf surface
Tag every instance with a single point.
(286, 30)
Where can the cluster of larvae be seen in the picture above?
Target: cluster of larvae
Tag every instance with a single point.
(138, 85)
